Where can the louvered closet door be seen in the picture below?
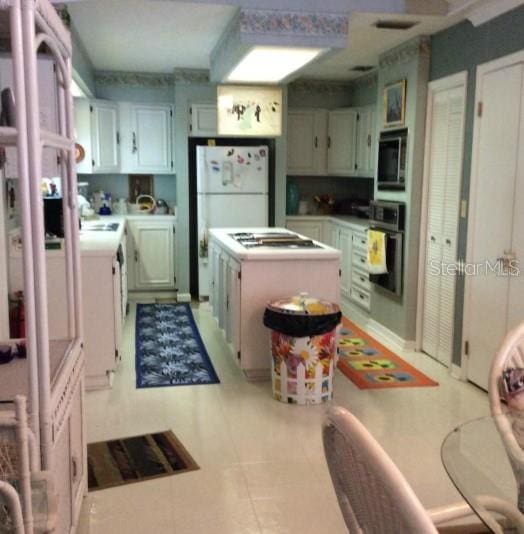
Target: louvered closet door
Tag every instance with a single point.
(445, 174)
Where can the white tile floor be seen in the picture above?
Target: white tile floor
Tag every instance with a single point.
(262, 463)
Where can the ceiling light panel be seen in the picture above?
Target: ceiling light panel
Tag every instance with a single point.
(271, 64)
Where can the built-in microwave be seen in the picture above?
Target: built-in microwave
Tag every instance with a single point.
(392, 158)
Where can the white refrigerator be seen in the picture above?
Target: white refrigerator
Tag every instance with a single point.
(232, 191)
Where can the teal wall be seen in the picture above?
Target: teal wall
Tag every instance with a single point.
(82, 66)
(464, 47)
(409, 62)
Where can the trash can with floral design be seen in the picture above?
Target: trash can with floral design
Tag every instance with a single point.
(303, 348)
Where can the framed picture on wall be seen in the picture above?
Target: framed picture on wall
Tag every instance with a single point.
(395, 103)
(249, 110)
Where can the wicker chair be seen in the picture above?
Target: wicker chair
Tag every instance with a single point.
(373, 495)
(28, 504)
(510, 355)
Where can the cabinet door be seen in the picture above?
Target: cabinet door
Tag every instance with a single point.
(344, 239)
(306, 142)
(151, 138)
(341, 142)
(203, 120)
(365, 142)
(104, 137)
(233, 305)
(47, 101)
(312, 229)
(154, 255)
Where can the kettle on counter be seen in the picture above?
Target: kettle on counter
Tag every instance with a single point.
(161, 207)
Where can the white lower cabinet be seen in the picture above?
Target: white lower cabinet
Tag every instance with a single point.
(351, 239)
(360, 292)
(103, 304)
(151, 254)
(312, 229)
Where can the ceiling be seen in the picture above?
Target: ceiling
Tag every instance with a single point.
(158, 36)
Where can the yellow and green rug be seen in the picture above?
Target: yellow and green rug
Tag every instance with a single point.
(370, 365)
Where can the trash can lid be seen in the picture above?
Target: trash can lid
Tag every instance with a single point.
(303, 304)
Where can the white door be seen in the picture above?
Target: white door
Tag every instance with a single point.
(444, 155)
(341, 141)
(105, 137)
(365, 159)
(495, 303)
(307, 141)
(203, 120)
(151, 138)
(154, 255)
(232, 169)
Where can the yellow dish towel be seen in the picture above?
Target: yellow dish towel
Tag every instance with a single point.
(377, 252)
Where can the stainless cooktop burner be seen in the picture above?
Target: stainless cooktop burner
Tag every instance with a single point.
(273, 240)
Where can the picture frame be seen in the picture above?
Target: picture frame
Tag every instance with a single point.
(395, 103)
(247, 110)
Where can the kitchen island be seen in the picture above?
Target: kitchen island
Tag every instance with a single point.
(245, 274)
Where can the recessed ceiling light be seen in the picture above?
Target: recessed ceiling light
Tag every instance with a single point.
(271, 64)
(395, 24)
(362, 68)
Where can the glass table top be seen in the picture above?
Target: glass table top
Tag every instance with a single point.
(477, 459)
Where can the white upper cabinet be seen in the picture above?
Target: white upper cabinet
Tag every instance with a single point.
(146, 143)
(47, 100)
(365, 142)
(105, 137)
(307, 141)
(203, 120)
(341, 141)
(124, 137)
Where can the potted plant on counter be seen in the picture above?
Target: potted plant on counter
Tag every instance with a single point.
(325, 203)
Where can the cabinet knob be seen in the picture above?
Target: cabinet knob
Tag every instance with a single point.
(316, 141)
(135, 147)
(329, 141)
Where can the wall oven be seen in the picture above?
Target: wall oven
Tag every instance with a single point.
(392, 158)
(389, 218)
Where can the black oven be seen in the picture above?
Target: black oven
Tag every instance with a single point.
(392, 157)
(389, 218)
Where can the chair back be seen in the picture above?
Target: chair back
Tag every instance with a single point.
(510, 355)
(372, 493)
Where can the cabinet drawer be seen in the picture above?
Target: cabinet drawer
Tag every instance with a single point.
(360, 296)
(361, 279)
(360, 260)
(360, 242)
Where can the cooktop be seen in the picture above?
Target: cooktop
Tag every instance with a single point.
(273, 240)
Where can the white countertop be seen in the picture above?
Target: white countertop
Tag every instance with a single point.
(348, 220)
(268, 253)
(96, 243)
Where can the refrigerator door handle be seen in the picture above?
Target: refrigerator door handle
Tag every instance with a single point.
(227, 173)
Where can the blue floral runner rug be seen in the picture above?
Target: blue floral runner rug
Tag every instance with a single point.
(169, 349)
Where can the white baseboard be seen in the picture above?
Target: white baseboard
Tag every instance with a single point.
(184, 297)
(378, 330)
(138, 295)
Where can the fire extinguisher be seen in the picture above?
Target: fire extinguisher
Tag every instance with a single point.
(17, 316)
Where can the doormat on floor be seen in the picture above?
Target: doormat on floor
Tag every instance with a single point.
(127, 460)
(370, 365)
(169, 350)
